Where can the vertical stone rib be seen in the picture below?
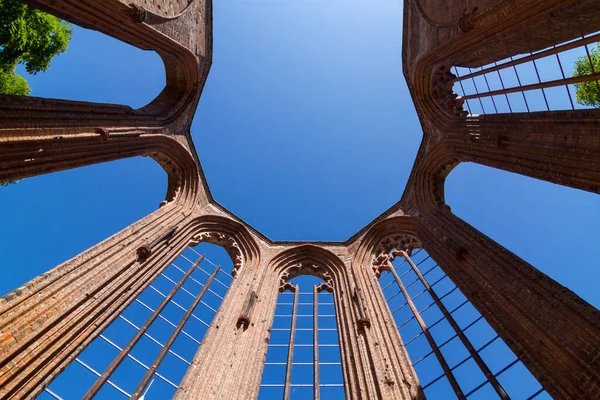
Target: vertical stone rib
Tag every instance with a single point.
(316, 380)
(290, 357)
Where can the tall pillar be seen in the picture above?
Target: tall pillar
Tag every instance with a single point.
(554, 332)
(48, 321)
(229, 362)
(391, 369)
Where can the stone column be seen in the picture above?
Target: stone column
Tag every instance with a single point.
(389, 365)
(554, 332)
(48, 321)
(229, 363)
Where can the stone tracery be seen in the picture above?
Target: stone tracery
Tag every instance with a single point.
(227, 242)
(305, 268)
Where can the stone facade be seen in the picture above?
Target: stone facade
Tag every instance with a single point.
(48, 321)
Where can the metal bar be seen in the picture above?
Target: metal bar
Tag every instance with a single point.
(507, 367)
(304, 329)
(212, 263)
(438, 353)
(141, 364)
(93, 371)
(152, 338)
(138, 335)
(176, 304)
(302, 385)
(169, 322)
(188, 292)
(558, 82)
(562, 72)
(290, 356)
(216, 280)
(303, 345)
(587, 51)
(504, 87)
(161, 355)
(300, 294)
(489, 89)
(196, 280)
(459, 332)
(51, 393)
(316, 391)
(535, 394)
(467, 358)
(542, 54)
(520, 85)
(392, 282)
(456, 308)
(304, 315)
(477, 91)
(537, 73)
(302, 363)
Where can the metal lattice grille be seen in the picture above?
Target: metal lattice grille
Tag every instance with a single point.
(454, 351)
(292, 344)
(543, 80)
(151, 344)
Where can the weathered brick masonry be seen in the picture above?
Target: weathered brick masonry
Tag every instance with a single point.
(51, 319)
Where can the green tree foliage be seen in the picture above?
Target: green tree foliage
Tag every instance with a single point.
(13, 83)
(586, 93)
(6, 183)
(30, 37)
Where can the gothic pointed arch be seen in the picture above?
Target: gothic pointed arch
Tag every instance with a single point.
(229, 234)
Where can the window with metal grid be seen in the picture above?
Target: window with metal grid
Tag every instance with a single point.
(543, 80)
(304, 321)
(147, 349)
(455, 352)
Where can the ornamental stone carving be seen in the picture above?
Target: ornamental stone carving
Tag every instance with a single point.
(443, 92)
(225, 241)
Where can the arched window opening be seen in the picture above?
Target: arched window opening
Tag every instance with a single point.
(148, 348)
(564, 75)
(552, 227)
(454, 351)
(305, 320)
(88, 65)
(50, 218)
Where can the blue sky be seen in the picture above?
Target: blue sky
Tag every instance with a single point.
(305, 130)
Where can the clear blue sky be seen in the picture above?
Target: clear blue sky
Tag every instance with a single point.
(305, 130)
